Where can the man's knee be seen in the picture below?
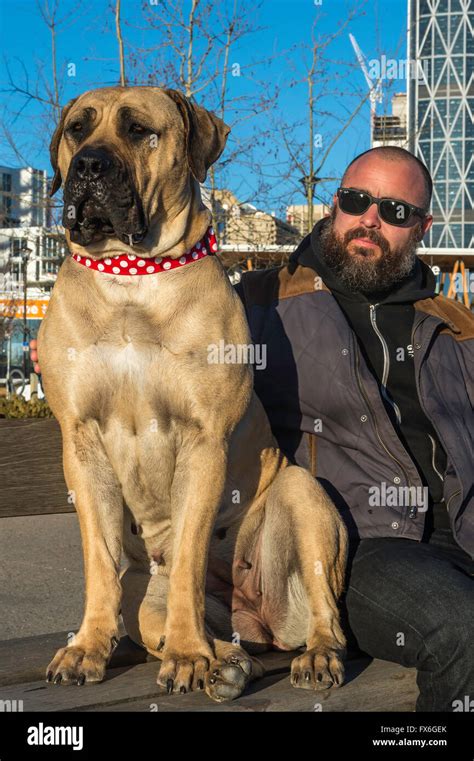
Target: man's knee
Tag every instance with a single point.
(451, 641)
(405, 605)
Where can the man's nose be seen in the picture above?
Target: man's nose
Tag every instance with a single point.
(91, 163)
(370, 218)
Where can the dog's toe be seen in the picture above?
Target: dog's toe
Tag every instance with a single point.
(317, 670)
(74, 665)
(181, 674)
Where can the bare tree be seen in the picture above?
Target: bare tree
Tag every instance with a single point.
(43, 89)
(300, 154)
(118, 30)
(194, 50)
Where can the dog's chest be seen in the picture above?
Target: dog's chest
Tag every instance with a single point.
(134, 408)
(128, 352)
(125, 360)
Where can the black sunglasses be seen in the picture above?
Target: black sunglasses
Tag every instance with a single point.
(353, 201)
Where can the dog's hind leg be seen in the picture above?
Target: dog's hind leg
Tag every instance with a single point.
(303, 558)
(144, 602)
(144, 597)
(99, 504)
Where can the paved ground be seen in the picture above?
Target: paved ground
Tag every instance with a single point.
(41, 576)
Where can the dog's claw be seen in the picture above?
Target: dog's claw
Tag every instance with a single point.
(182, 689)
(49, 676)
(317, 669)
(200, 684)
(81, 679)
(57, 679)
(169, 686)
(161, 643)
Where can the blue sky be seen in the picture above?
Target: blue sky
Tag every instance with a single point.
(87, 40)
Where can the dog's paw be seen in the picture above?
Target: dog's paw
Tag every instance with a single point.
(184, 672)
(228, 678)
(75, 665)
(317, 669)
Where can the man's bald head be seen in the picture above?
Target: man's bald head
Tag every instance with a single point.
(393, 153)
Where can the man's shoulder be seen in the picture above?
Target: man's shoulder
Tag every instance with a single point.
(268, 286)
(260, 286)
(459, 318)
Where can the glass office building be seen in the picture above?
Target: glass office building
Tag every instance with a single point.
(440, 113)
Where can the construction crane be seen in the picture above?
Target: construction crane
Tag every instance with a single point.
(374, 85)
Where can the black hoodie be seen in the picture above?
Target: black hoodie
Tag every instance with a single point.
(383, 326)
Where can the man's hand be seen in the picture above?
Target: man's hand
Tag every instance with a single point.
(34, 355)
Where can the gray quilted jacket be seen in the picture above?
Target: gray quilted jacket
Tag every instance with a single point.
(325, 407)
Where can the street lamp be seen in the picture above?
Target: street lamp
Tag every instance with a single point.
(25, 256)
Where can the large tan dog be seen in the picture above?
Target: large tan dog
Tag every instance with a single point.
(169, 456)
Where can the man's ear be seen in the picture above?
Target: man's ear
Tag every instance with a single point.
(205, 134)
(54, 148)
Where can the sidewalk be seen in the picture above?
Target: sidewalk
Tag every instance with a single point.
(41, 575)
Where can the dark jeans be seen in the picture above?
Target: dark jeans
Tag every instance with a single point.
(413, 603)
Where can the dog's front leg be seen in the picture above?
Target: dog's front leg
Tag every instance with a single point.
(98, 500)
(187, 653)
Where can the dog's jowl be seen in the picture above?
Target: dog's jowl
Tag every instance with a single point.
(170, 456)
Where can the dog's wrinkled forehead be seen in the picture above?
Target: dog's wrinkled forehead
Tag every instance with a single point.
(114, 96)
(111, 107)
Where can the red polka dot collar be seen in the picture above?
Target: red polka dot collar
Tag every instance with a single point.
(129, 264)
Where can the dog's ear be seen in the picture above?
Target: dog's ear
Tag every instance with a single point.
(206, 134)
(54, 148)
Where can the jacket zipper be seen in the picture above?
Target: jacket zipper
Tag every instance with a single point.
(413, 509)
(433, 456)
(458, 491)
(386, 364)
(454, 494)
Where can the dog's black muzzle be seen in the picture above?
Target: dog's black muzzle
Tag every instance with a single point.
(100, 200)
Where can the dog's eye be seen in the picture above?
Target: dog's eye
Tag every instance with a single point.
(75, 127)
(137, 129)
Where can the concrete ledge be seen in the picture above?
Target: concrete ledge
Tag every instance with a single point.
(130, 684)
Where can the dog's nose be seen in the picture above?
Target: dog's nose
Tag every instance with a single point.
(91, 164)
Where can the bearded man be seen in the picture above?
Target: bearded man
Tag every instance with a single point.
(369, 383)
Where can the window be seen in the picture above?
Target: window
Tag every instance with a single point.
(6, 182)
(6, 212)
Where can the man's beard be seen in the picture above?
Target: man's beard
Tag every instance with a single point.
(365, 273)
